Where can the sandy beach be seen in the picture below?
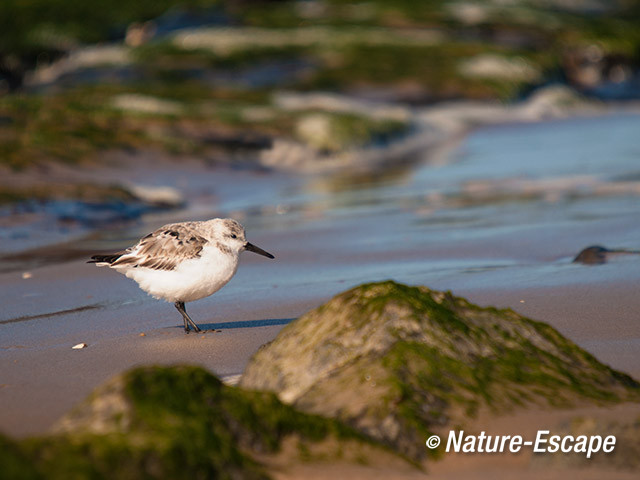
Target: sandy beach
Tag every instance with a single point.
(326, 239)
(43, 377)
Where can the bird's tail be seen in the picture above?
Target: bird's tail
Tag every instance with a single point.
(103, 260)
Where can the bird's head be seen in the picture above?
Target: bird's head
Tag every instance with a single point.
(230, 234)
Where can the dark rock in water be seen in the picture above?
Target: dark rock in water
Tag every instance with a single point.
(595, 255)
(398, 362)
(245, 140)
(181, 423)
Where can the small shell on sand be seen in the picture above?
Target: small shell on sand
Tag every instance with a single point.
(79, 346)
(27, 275)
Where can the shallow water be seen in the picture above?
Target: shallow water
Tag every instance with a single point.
(507, 204)
(511, 204)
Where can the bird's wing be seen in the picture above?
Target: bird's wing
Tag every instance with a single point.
(164, 249)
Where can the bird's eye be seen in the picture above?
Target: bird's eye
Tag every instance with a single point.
(233, 235)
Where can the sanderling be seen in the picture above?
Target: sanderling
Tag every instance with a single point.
(183, 262)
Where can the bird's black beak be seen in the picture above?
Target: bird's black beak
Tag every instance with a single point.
(252, 248)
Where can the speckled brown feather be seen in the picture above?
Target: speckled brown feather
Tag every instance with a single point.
(165, 248)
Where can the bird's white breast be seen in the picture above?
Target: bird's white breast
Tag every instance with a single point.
(191, 280)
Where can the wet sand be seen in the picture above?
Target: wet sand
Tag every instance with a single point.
(43, 377)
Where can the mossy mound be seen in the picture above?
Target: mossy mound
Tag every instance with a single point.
(15, 464)
(180, 422)
(625, 456)
(398, 362)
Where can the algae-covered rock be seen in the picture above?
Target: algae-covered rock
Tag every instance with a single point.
(625, 455)
(397, 362)
(14, 463)
(182, 422)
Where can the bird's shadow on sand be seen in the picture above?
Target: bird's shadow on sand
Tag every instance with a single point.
(267, 322)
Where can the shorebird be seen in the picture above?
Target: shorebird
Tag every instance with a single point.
(183, 262)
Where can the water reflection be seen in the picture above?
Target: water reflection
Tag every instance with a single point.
(536, 192)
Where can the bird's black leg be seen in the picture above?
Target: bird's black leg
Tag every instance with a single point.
(187, 319)
(180, 307)
(191, 322)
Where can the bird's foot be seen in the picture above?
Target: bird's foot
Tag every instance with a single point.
(195, 330)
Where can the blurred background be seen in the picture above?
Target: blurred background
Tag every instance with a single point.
(287, 114)
(295, 116)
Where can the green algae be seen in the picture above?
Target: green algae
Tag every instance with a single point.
(85, 192)
(76, 124)
(172, 422)
(79, 125)
(428, 359)
(15, 464)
